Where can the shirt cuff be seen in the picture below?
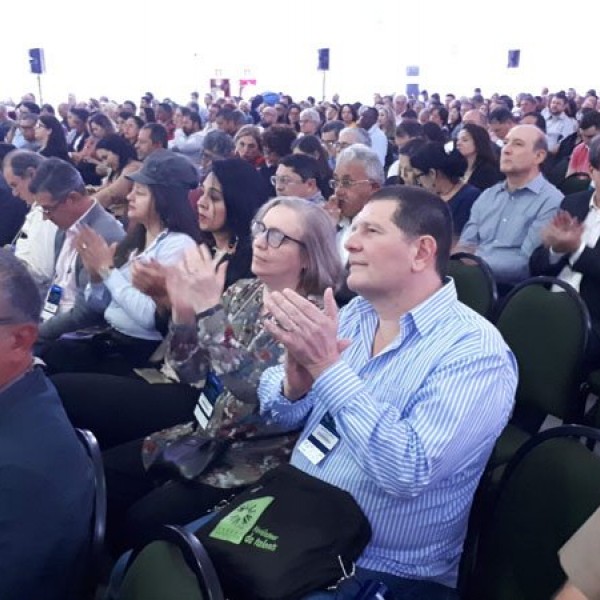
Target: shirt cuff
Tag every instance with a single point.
(576, 255)
(555, 257)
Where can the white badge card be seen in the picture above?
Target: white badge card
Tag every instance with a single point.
(52, 302)
(322, 440)
(207, 399)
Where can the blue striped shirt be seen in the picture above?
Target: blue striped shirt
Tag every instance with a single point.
(416, 423)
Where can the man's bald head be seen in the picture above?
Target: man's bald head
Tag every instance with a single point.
(476, 117)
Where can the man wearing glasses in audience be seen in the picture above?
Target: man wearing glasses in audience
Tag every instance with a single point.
(358, 175)
(297, 175)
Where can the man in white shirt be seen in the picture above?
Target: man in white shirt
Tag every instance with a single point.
(34, 244)
(571, 249)
(189, 140)
(379, 142)
(60, 192)
(558, 124)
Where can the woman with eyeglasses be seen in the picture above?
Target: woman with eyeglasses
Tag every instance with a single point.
(218, 346)
(147, 400)
(441, 172)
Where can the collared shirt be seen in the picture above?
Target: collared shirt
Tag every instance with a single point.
(126, 308)
(506, 226)
(190, 146)
(379, 143)
(416, 423)
(344, 229)
(558, 127)
(64, 272)
(591, 234)
(35, 247)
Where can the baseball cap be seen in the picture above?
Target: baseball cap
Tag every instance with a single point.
(164, 167)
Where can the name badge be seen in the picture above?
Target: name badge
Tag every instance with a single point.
(207, 399)
(322, 440)
(52, 302)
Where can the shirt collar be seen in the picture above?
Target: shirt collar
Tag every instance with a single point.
(425, 315)
(535, 185)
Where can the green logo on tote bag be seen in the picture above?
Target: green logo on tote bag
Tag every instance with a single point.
(239, 522)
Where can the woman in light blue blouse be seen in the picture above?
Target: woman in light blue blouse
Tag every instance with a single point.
(163, 226)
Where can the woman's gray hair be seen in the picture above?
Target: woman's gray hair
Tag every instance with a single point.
(324, 266)
(312, 114)
(368, 158)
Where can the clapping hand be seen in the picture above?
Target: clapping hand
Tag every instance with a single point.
(95, 253)
(151, 279)
(563, 234)
(195, 284)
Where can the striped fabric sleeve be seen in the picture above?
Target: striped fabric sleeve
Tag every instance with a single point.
(451, 418)
(275, 406)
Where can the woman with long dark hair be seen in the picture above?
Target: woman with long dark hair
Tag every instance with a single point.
(50, 134)
(474, 144)
(164, 226)
(119, 159)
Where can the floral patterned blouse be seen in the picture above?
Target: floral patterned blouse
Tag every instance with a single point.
(230, 341)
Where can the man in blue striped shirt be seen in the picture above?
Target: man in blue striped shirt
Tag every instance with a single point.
(402, 395)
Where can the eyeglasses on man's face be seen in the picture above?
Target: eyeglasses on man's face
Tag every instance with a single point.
(346, 183)
(274, 237)
(283, 180)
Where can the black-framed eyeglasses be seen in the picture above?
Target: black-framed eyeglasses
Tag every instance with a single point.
(274, 237)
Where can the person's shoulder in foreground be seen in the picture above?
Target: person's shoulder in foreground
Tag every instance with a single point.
(46, 479)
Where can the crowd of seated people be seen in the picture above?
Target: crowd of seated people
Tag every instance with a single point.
(185, 252)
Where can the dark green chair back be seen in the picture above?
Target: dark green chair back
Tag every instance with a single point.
(575, 182)
(173, 566)
(474, 281)
(547, 331)
(548, 491)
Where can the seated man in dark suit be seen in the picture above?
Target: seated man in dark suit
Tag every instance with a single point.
(571, 249)
(46, 479)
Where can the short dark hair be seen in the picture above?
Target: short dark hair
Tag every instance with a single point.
(31, 106)
(410, 128)
(132, 104)
(57, 177)
(18, 290)
(125, 114)
(166, 107)
(158, 134)
(335, 126)
(501, 115)
(594, 155)
(21, 161)
(412, 147)
(434, 156)
(590, 119)
(81, 113)
(279, 139)
(540, 122)
(303, 165)
(194, 117)
(421, 212)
